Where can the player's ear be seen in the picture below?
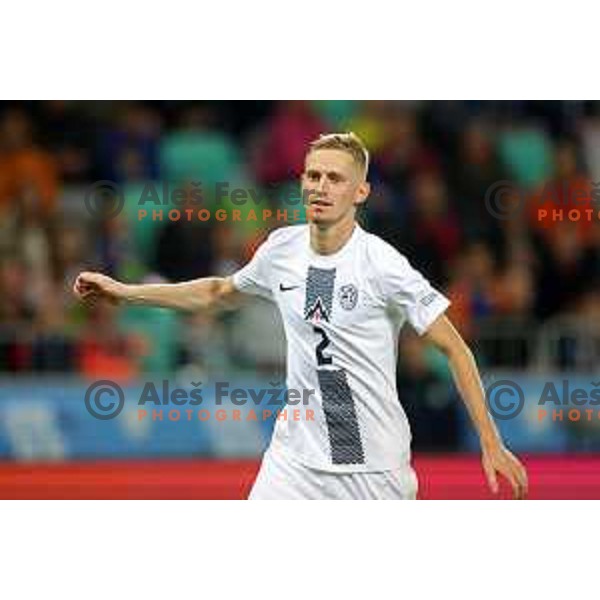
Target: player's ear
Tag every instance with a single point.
(364, 189)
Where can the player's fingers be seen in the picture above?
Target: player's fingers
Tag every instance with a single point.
(526, 479)
(77, 285)
(81, 282)
(88, 279)
(490, 474)
(87, 276)
(518, 492)
(512, 474)
(81, 289)
(521, 474)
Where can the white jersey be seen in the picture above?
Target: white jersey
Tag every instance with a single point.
(342, 314)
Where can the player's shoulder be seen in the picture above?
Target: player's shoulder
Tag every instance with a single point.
(284, 236)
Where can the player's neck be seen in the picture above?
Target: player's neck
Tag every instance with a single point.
(329, 240)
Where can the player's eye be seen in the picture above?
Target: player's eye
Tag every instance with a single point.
(313, 176)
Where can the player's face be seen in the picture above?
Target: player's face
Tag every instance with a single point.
(332, 186)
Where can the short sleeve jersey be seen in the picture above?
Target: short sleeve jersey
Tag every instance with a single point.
(342, 314)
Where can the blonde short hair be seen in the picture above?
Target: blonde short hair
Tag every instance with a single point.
(346, 142)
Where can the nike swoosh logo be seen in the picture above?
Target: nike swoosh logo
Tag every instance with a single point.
(287, 288)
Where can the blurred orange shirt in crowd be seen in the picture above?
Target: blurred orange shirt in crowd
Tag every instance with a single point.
(26, 168)
(97, 362)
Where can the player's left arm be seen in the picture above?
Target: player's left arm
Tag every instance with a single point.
(496, 458)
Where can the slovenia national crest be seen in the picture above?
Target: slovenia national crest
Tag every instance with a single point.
(348, 296)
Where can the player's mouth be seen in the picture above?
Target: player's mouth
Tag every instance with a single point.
(321, 203)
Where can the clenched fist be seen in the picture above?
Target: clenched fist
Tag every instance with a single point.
(95, 286)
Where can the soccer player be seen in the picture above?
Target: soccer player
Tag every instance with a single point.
(344, 295)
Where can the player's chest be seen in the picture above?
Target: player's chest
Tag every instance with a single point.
(311, 294)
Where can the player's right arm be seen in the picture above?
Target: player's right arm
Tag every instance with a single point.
(198, 294)
(191, 296)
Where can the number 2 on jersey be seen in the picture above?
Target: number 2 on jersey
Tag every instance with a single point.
(321, 358)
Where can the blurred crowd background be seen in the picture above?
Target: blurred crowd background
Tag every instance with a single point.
(525, 294)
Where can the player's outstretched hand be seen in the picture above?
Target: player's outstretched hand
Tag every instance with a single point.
(500, 460)
(91, 287)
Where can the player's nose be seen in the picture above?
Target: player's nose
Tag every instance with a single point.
(322, 186)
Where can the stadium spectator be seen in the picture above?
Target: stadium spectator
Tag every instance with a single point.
(402, 154)
(136, 132)
(562, 274)
(23, 165)
(472, 288)
(107, 352)
(184, 248)
(476, 170)
(281, 145)
(69, 134)
(426, 396)
(432, 231)
(564, 197)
